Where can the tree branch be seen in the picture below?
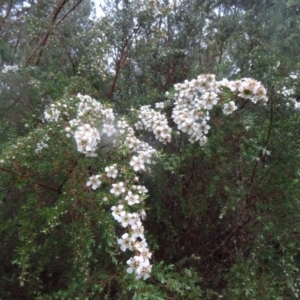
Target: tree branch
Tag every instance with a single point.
(66, 178)
(38, 183)
(45, 38)
(119, 62)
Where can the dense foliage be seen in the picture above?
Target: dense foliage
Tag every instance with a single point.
(203, 183)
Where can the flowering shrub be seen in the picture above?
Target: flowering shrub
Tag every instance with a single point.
(93, 126)
(81, 175)
(196, 192)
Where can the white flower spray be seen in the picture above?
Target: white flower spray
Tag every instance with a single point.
(191, 105)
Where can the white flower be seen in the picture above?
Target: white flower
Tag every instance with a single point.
(210, 99)
(126, 242)
(137, 230)
(286, 92)
(134, 218)
(132, 198)
(137, 164)
(124, 218)
(40, 146)
(204, 127)
(74, 123)
(140, 245)
(116, 212)
(139, 125)
(228, 108)
(203, 141)
(94, 182)
(118, 188)
(134, 263)
(144, 270)
(122, 124)
(111, 171)
(144, 252)
(142, 189)
(133, 143)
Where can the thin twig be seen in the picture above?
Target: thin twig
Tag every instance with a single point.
(59, 189)
(119, 63)
(265, 144)
(45, 38)
(38, 183)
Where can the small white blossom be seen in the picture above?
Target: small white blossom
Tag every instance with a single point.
(228, 108)
(126, 242)
(116, 212)
(137, 230)
(132, 198)
(94, 182)
(134, 263)
(111, 171)
(137, 164)
(118, 188)
(144, 270)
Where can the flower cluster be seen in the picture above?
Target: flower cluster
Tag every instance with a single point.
(192, 102)
(58, 110)
(122, 125)
(52, 114)
(144, 156)
(156, 122)
(88, 136)
(10, 69)
(194, 99)
(249, 88)
(134, 239)
(42, 144)
(144, 152)
(290, 93)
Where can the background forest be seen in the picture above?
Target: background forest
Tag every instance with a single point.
(223, 219)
